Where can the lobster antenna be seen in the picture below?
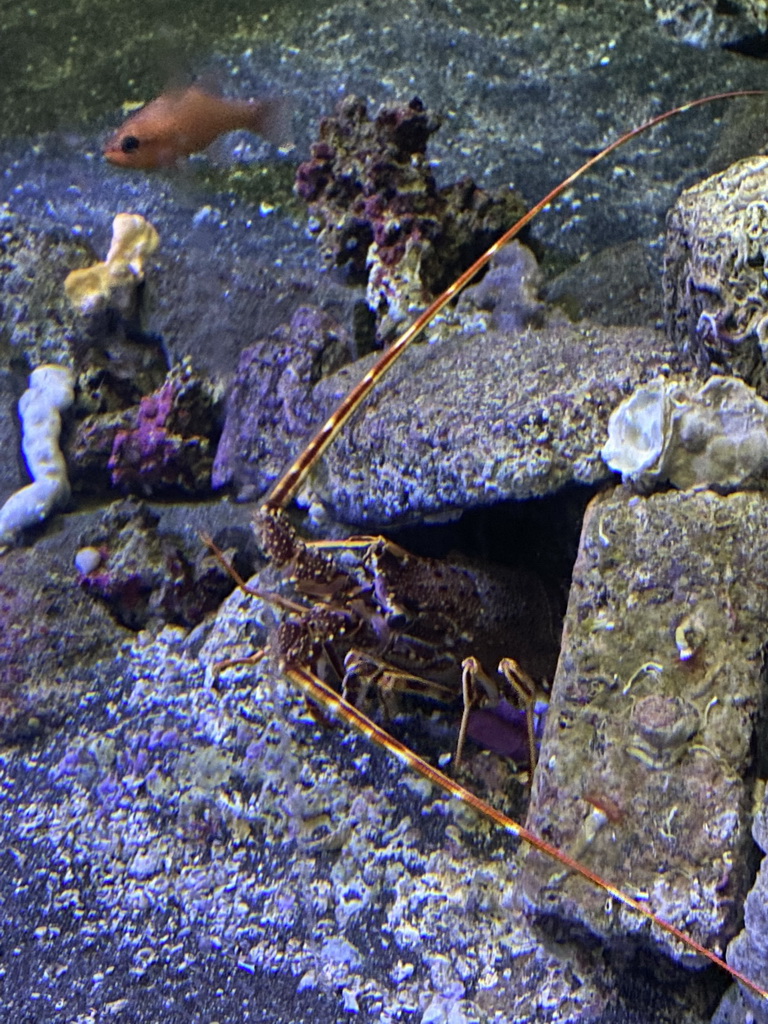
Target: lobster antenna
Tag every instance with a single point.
(329, 700)
(286, 488)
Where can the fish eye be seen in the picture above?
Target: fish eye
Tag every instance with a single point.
(129, 144)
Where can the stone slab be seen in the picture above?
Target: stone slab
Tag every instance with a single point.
(657, 696)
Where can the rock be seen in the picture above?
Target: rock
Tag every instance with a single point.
(645, 771)
(38, 321)
(168, 446)
(211, 316)
(162, 445)
(716, 436)
(55, 644)
(270, 408)
(749, 950)
(714, 284)
(707, 23)
(616, 286)
(509, 291)
(757, 10)
(147, 576)
(479, 416)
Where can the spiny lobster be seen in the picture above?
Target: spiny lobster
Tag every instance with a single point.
(345, 604)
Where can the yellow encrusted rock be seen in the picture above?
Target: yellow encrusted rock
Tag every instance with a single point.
(134, 239)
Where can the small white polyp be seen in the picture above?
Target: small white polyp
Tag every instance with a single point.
(50, 392)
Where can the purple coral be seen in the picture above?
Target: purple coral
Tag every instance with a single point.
(168, 444)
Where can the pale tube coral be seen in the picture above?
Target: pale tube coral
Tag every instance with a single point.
(50, 392)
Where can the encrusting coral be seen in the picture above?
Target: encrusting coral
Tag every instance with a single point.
(134, 239)
(50, 392)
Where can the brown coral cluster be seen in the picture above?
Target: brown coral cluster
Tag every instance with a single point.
(380, 213)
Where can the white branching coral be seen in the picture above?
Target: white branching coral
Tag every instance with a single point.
(50, 392)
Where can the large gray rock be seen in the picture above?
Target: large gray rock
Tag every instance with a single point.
(479, 416)
(645, 770)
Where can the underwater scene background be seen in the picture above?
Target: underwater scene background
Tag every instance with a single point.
(186, 838)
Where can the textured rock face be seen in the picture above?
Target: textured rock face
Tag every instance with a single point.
(714, 436)
(645, 763)
(145, 576)
(714, 271)
(480, 416)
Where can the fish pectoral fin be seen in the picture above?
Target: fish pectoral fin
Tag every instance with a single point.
(273, 121)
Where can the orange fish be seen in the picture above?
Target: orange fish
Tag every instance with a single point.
(186, 121)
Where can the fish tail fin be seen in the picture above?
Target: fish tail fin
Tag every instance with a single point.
(272, 120)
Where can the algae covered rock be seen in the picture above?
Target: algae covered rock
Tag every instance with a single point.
(715, 286)
(646, 768)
